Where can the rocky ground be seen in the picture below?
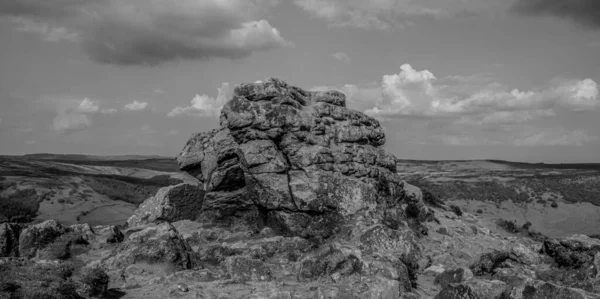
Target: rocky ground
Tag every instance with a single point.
(295, 198)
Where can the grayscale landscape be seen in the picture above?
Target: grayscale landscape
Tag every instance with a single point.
(353, 149)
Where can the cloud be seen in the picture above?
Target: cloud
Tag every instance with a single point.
(108, 111)
(585, 12)
(152, 32)
(387, 14)
(74, 115)
(556, 137)
(69, 121)
(136, 106)
(341, 56)
(87, 106)
(204, 105)
(48, 32)
(420, 93)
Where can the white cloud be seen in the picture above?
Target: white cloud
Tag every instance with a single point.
(341, 56)
(387, 14)
(204, 105)
(108, 111)
(70, 121)
(87, 106)
(136, 106)
(152, 32)
(412, 92)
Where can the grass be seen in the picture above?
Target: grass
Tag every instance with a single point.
(23, 205)
(572, 187)
(128, 189)
(158, 164)
(50, 281)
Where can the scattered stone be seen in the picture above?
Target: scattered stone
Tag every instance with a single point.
(453, 276)
(435, 270)
(108, 234)
(523, 255)
(245, 269)
(535, 289)
(182, 287)
(474, 289)
(488, 262)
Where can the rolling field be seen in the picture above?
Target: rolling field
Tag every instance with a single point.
(37, 188)
(557, 199)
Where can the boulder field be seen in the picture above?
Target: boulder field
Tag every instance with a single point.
(295, 198)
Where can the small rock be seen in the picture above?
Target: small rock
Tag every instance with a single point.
(443, 231)
(182, 287)
(336, 277)
(475, 289)
(436, 270)
(454, 276)
(524, 255)
(247, 269)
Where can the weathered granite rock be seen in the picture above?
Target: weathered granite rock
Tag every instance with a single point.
(536, 289)
(453, 276)
(488, 262)
(246, 269)
(524, 255)
(108, 234)
(295, 156)
(474, 289)
(170, 204)
(158, 244)
(38, 236)
(574, 251)
(9, 239)
(84, 231)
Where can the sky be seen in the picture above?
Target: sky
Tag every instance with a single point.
(454, 79)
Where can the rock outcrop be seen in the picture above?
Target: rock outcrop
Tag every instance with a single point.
(9, 239)
(38, 236)
(298, 160)
(170, 204)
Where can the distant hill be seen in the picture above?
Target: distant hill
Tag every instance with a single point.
(523, 165)
(79, 157)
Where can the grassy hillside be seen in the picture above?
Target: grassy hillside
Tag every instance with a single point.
(499, 181)
(46, 188)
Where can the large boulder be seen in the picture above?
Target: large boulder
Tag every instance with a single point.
(36, 237)
(157, 244)
(170, 204)
(573, 251)
(9, 239)
(301, 159)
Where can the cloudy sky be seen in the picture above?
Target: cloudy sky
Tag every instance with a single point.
(452, 79)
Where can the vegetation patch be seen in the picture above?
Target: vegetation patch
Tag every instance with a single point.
(19, 206)
(128, 189)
